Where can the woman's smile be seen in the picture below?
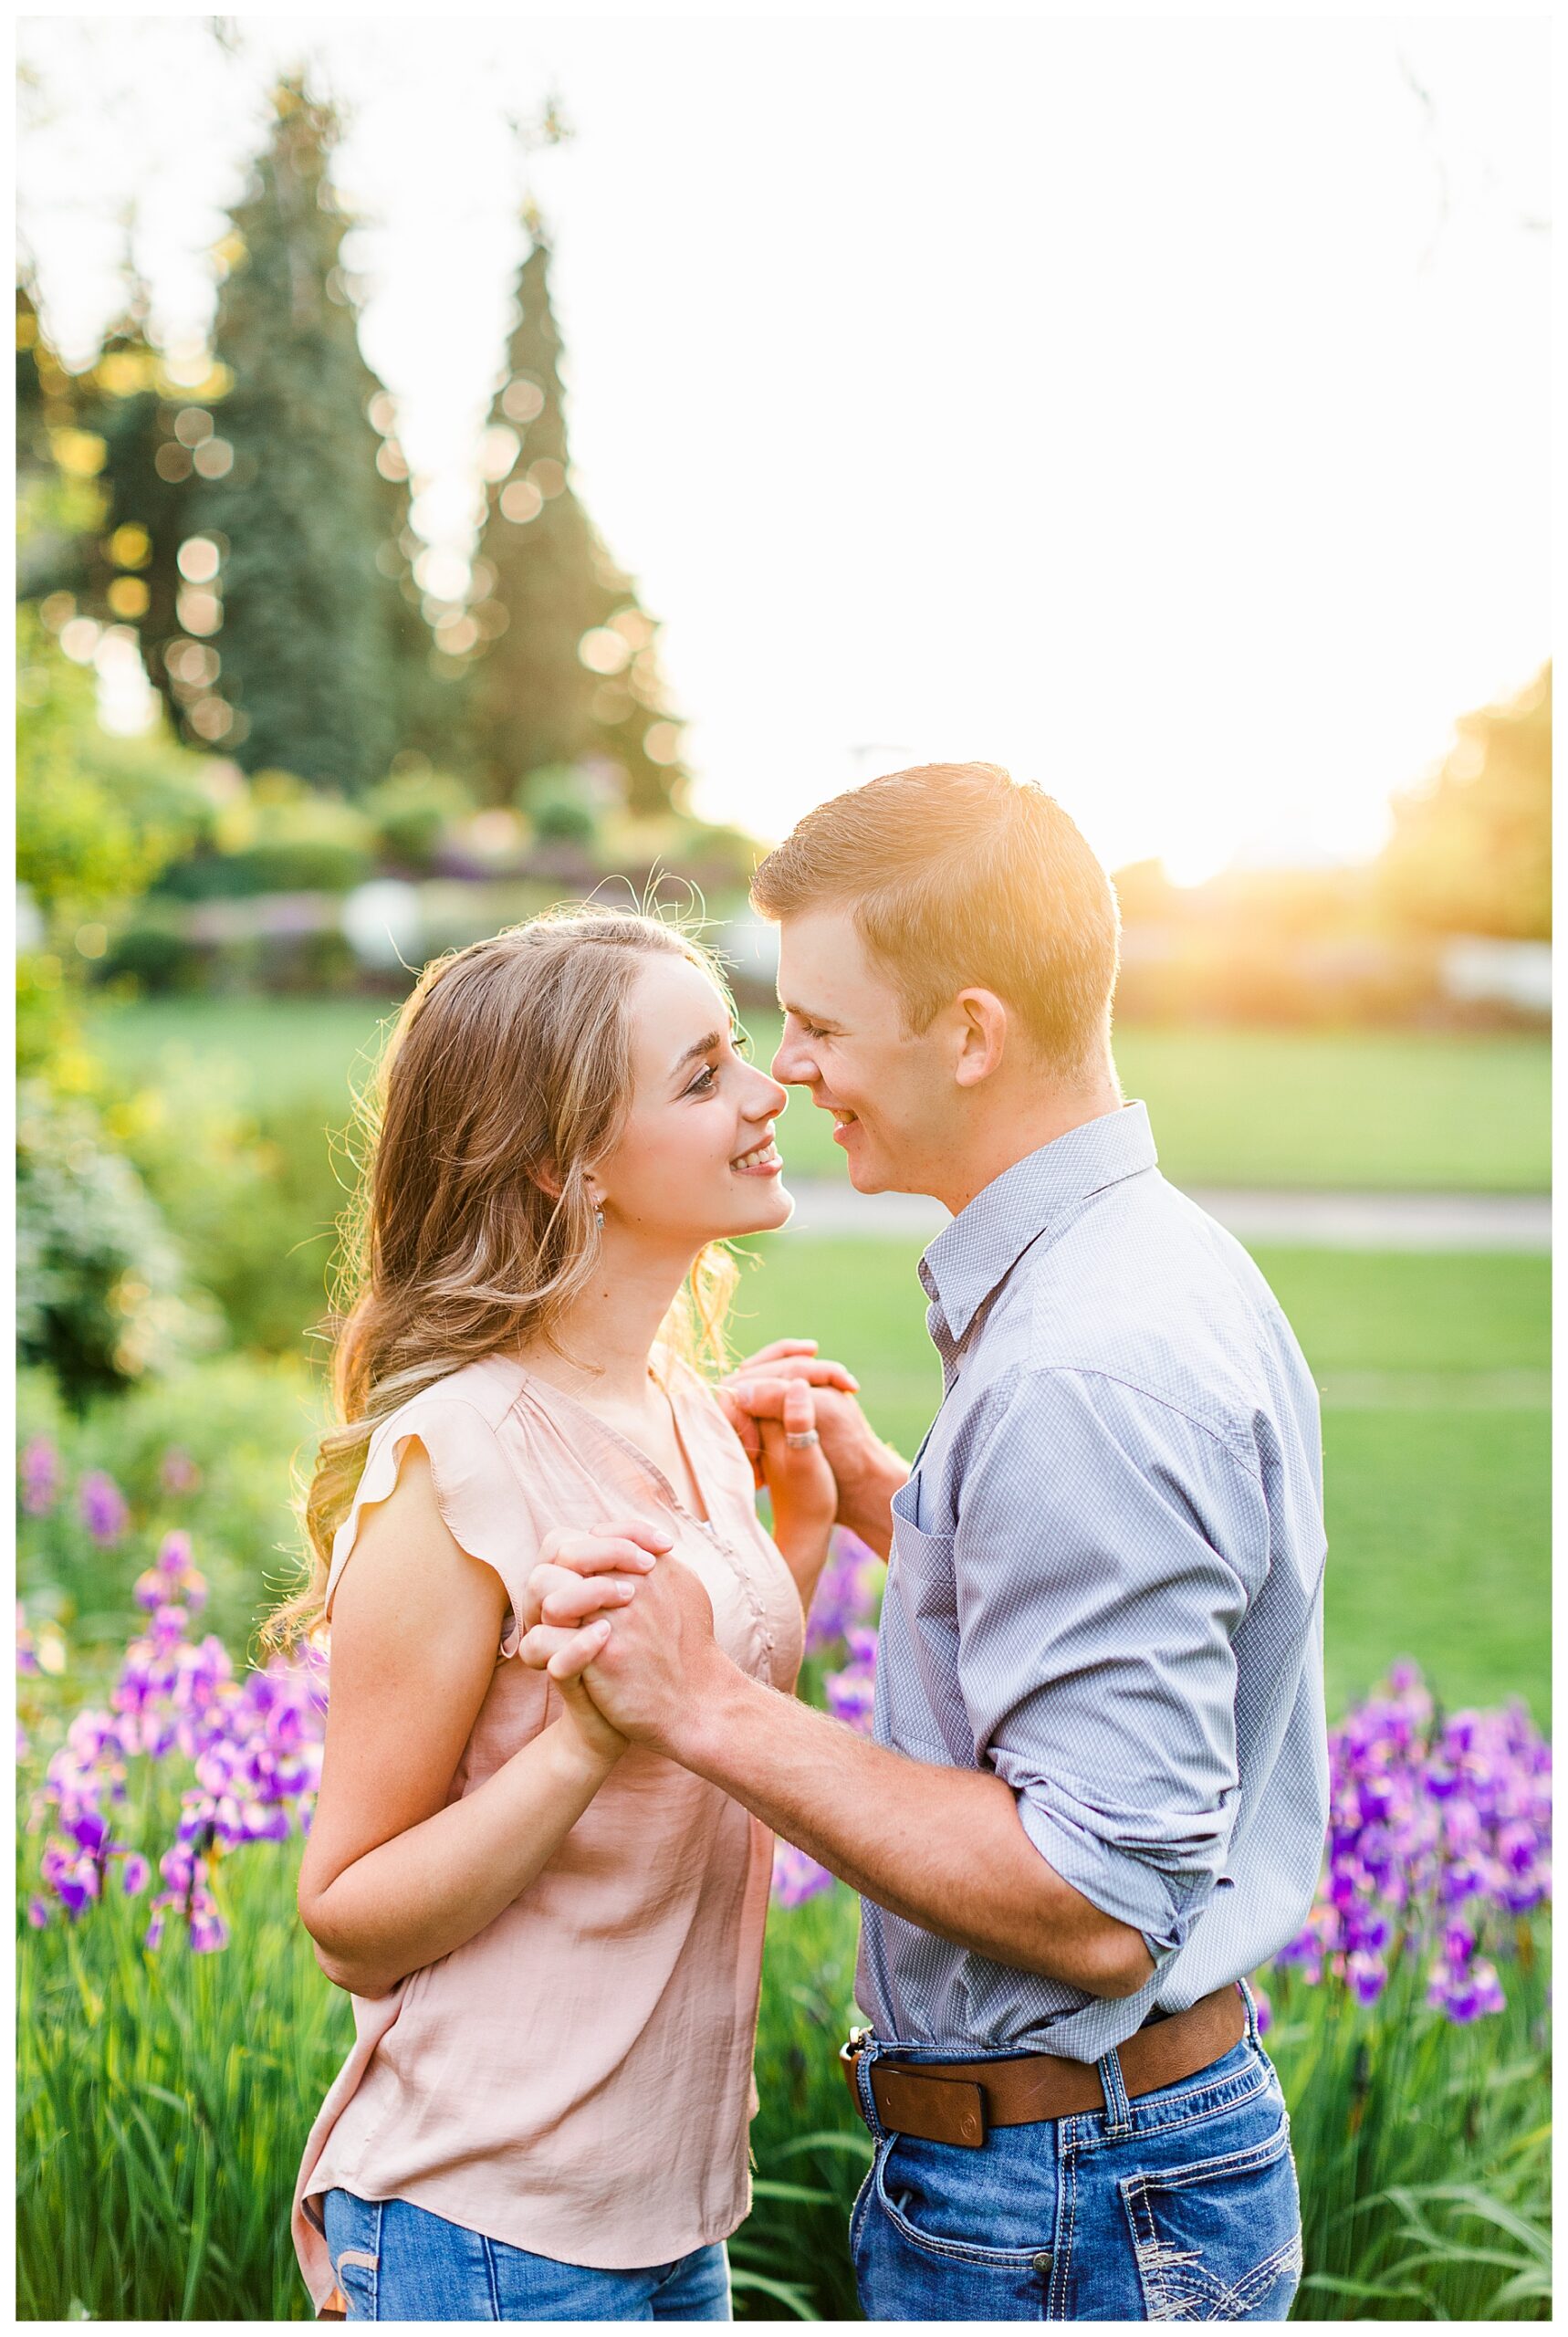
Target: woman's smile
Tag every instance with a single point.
(761, 1160)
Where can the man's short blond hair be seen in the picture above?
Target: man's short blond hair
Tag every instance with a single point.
(958, 877)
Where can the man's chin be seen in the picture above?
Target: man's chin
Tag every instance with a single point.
(865, 1178)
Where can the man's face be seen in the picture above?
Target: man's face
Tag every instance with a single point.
(892, 1094)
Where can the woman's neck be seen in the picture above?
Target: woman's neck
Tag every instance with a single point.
(602, 1347)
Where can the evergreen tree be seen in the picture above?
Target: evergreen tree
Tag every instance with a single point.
(133, 577)
(58, 501)
(428, 697)
(569, 675)
(297, 611)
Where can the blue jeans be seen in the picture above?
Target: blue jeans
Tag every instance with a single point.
(1180, 2206)
(394, 2261)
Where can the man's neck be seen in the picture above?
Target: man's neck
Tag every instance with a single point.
(1013, 1133)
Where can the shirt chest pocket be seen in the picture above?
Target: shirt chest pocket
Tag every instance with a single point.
(921, 1607)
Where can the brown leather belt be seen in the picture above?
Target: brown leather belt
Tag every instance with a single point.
(957, 2102)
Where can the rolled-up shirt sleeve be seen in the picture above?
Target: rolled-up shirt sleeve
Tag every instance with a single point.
(1105, 1548)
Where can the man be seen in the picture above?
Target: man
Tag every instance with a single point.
(1096, 1794)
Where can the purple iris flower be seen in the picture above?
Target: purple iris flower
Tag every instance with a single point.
(103, 1508)
(851, 1696)
(40, 1476)
(846, 1591)
(178, 1473)
(1435, 1831)
(796, 1877)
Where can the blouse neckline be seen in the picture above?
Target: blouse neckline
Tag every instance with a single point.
(617, 1437)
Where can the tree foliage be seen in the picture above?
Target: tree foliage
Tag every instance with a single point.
(303, 620)
(569, 676)
(1471, 851)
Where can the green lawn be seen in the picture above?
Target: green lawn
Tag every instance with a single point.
(1437, 1454)
(1433, 1367)
(1376, 1109)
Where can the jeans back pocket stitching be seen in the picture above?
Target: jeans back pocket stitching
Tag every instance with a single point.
(1244, 2161)
(1263, 2276)
(1156, 2264)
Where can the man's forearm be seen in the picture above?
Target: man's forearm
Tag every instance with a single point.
(943, 1847)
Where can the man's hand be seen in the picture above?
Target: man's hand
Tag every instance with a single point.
(868, 1472)
(648, 1670)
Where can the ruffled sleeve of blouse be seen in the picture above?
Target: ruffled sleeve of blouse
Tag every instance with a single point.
(478, 1490)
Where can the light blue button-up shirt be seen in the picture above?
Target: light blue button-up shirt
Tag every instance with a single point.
(1106, 1586)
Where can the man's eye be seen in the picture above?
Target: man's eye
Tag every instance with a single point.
(813, 1031)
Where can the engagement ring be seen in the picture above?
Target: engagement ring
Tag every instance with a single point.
(809, 1437)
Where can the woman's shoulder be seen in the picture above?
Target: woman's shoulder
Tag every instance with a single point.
(488, 1387)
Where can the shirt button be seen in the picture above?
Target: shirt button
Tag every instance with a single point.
(1041, 2262)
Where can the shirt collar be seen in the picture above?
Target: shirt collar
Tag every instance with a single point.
(986, 1240)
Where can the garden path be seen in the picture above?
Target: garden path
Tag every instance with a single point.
(1316, 1220)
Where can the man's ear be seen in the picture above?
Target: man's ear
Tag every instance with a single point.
(981, 1033)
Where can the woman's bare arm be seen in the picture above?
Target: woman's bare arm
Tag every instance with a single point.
(393, 1876)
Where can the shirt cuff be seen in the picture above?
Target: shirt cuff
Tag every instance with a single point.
(1163, 1908)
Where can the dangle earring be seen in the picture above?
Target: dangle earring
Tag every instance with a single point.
(599, 1217)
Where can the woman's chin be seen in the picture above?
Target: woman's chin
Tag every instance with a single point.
(764, 1212)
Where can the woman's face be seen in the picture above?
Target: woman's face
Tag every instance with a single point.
(695, 1160)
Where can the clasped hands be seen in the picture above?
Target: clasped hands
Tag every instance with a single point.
(625, 1629)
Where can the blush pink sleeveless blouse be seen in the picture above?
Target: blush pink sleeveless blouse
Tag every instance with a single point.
(576, 2078)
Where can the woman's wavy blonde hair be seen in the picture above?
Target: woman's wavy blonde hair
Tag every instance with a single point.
(511, 1060)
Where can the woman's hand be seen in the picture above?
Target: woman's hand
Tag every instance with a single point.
(780, 1360)
(580, 1581)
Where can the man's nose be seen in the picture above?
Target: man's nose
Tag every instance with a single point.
(792, 1063)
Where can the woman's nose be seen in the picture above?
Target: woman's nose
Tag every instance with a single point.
(771, 1099)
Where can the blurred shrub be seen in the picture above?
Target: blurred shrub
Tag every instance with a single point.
(557, 803)
(97, 815)
(208, 1450)
(103, 1295)
(411, 815)
(280, 838)
(155, 953)
(1471, 851)
(256, 1198)
(169, 947)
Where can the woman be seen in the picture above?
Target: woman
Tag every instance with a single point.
(553, 1939)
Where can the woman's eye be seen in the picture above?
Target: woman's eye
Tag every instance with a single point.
(700, 1086)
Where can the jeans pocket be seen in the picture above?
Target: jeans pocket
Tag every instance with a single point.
(941, 2198)
(353, 2232)
(1219, 2238)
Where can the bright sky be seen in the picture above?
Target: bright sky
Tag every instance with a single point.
(1160, 409)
